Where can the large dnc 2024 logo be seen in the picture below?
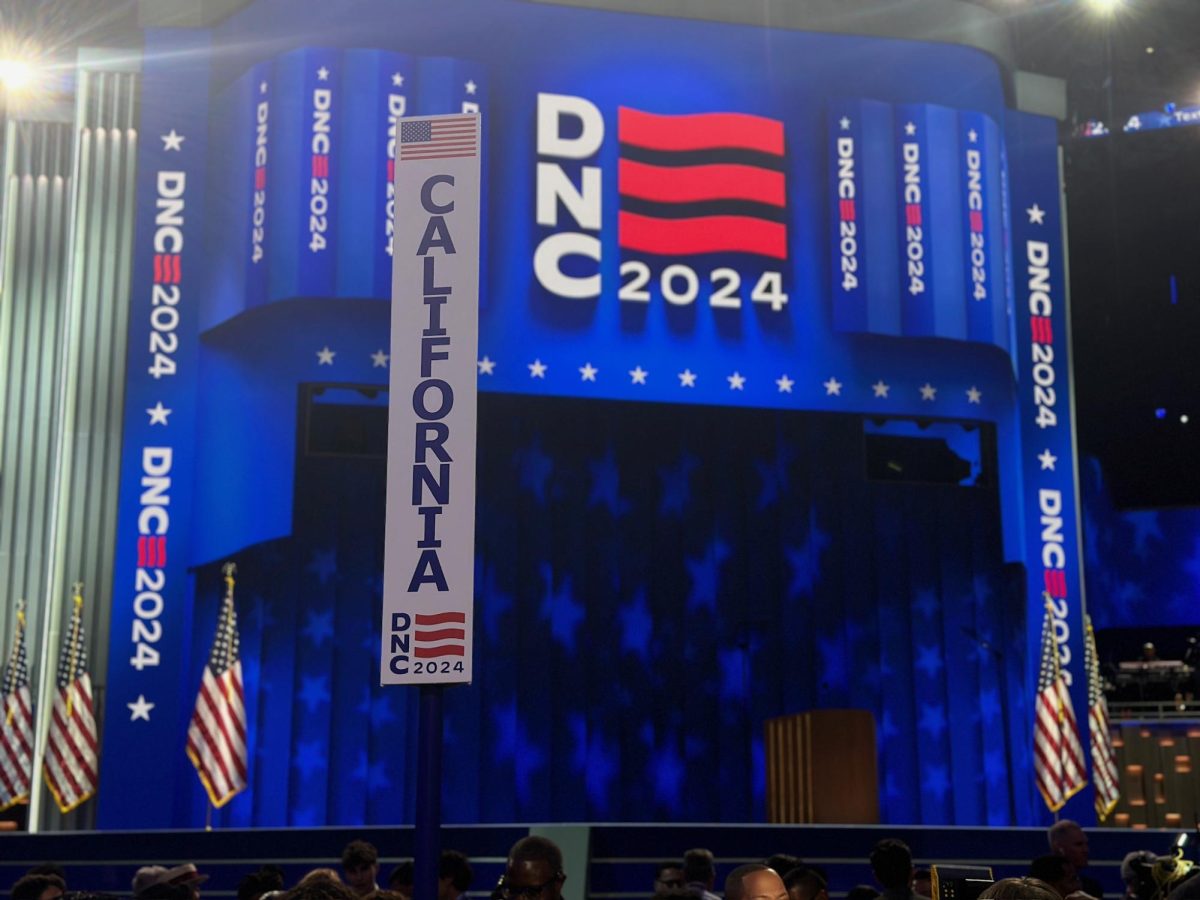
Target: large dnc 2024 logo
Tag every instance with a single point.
(709, 183)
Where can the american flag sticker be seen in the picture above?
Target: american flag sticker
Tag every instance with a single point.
(451, 137)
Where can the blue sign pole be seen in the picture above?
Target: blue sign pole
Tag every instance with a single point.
(427, 846)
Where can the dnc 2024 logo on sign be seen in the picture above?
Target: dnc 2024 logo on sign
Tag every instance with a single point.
(691, 189)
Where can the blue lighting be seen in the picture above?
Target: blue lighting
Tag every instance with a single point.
(1160, 413)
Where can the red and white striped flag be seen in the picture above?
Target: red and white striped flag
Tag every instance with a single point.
(1104, 757)
(217, 734)
(16, 727)
(71, 763)
(1057, 753)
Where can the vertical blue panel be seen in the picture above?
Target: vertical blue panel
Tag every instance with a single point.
(152, 592)
(881, 244)
(378, 87)
(303, 199)
(983, 282)
(916, 245)
(945, 222)
(1042, 359)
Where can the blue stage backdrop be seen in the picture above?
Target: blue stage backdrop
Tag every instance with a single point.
(1142, 564)
(765, 237)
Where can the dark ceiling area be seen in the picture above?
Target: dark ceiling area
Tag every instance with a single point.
(1132, 203)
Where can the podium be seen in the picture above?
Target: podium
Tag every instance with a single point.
(822, 767)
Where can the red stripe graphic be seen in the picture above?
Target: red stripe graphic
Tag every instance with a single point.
(705, 234)
(705, 131)
(976, 221)
(391, 170)
(440, 618)
(1056, 583)
(433, 652)
(1042, 329)
(846, 208)
(912, 214)
(158, 268)
(320, 166)
(260, 178)
(444, 634)
(686, 184)
(167, 268)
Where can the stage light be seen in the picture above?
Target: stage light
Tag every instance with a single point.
(1105, 7)
(1150, 50)
(1160, 413)
(1183, 419)
(16, 75)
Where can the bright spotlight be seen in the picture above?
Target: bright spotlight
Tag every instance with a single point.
(1105, 7)
(15, 74)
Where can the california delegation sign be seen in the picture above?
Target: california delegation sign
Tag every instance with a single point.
(429, 542)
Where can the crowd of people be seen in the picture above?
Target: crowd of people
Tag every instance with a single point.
(534, 870)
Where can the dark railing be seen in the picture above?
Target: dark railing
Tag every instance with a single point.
(1152, 710)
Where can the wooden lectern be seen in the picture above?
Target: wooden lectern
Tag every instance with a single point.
(822, 767)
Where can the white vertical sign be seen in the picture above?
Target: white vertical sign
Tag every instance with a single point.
(429, 541)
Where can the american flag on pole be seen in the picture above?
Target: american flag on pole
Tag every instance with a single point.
(217, 734)
(449, 137)
(1057, 754)
(16, 728)
(70, 765)
(1104, 757)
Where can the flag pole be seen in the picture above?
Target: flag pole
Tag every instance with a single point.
(427, 843)
(208, 814)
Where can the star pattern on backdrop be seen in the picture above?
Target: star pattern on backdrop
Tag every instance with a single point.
(325, 356)
(379, 359)
(158, 413)
(486, 366)
(173, 141)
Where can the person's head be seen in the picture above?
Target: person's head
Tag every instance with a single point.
(754, 882)
(922, 882)
(1067, 839)
(454, 875)
(360, 863)
(1019, 889)
(48, 868)
(668, 876)
(264, 881)
(862, 892)
(534, 870)
(698, 867)
(805, 884)
(1057, 872)
(783, 863)
(320, 884)
(160, 883)
(38, 887)
(401, 879)
(1151, 877)
(1149, 652)
(891, 861)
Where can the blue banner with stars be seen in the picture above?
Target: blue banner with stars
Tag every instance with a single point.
(665, 219)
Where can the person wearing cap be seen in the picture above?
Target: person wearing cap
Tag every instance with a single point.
(162, 883)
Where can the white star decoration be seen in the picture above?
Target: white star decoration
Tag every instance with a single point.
(687, 378)
(537, 369)
(1047, 459)
(140, 709)
(397, 79)
(379, 360)
(471, 87)
(158, 413)
(844, 123)
(833, 387)
(973, 136)
(785, 384)
(262, 87)
(737, 381)
(587, 372)
(325, 356)
(1036, 214)
(928, 391)
(974, 394)
(881, 388)
(486, 366)
(172, 140)
(322, 74)
(638, 375)
(910, 129)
